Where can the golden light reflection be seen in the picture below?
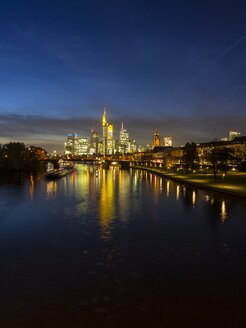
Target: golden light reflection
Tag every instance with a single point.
(31, 188)
(73, 180)
(223, 213)
(156, 188)
(106, 202)
(149, 179)
(178, 192)
(124, 193)
(155, 181)
(51, 189)
(135, 180)
(82, 180)
(193, 198)
(168, 188)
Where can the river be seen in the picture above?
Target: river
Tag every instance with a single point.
(119, 248)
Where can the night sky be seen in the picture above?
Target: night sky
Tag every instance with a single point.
(176, 65)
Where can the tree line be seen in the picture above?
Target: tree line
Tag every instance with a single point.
(16, 157)
(219, 158)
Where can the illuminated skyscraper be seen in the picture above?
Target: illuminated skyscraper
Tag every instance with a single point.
(105, 132)
(124, 140)
(94, 142)
(83, 147)
(108, 142)
(71, 144)
(76, 146)
(156, 139)
(110, 146)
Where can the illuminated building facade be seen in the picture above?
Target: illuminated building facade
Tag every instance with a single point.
(110, 145)
(100, 147)
(132, 146)
(71, 144)
(156, 139)
(141, 149)
(233, 135)
(168, 141)
(94, 142)
(83, 147)
(76, 146)
(124, 141)
(108, 141)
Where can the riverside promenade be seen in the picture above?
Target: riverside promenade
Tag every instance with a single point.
(233, 183)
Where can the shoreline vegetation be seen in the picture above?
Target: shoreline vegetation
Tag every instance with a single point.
(16, 158)
(233, 184)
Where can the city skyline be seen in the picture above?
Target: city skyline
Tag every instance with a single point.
(85, 132)
(110, 142)
(171, 66)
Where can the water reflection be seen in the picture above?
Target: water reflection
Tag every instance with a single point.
(31, 188)
(124, 194)
(100, 235)
(107, 201)
(116, 192)
(193, 198)
(168, 188)
(188, 195)
(51, 188)
(178, 192)
(114, 188)
(223, 213)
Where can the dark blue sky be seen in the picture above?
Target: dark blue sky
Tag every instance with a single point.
(177, 65)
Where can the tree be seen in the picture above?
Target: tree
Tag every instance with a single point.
(15, 157)
(220, 158)
(190, 157)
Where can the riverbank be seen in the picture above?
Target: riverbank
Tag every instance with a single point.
(233, 184)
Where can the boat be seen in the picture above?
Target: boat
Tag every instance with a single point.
(60, 172)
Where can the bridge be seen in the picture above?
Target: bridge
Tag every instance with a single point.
(106, 163)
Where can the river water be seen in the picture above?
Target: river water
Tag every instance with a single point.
(120, 248)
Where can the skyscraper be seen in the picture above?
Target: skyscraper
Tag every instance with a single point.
(105, 132)
(75, 145)
(94, 142)
(108, 143)
(110, 146)
(156, 139)
(83, 147)
(71, 144)
(124, 140)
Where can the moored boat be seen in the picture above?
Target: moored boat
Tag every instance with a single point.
(60, 172)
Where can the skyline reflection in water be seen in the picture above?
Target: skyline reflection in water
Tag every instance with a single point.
(112, 247)
(116, 184)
